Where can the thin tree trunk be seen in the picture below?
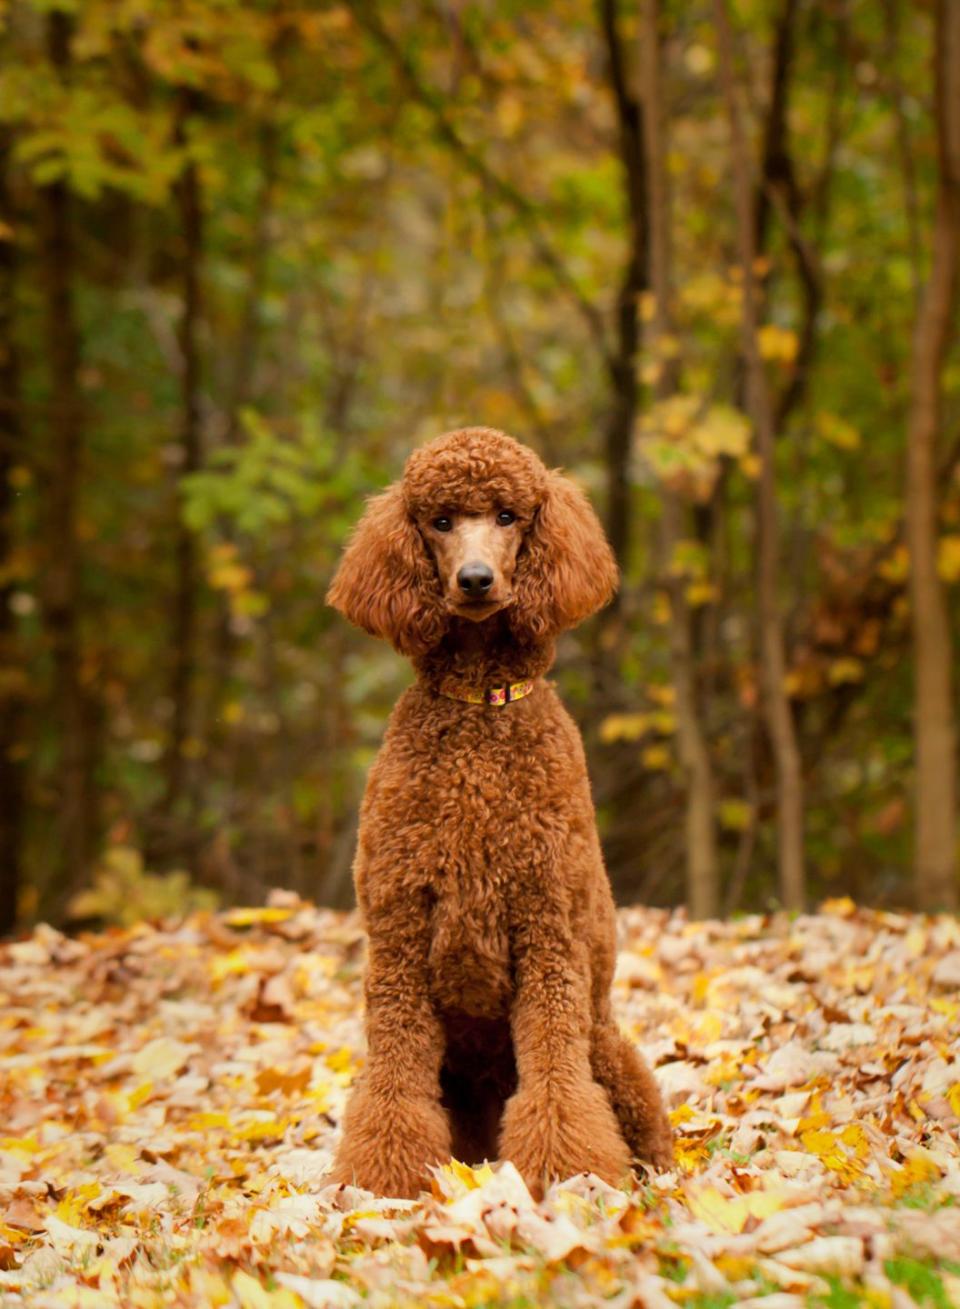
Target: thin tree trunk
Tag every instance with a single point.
(935, 852)
(621, 364)
(11, 662)
(184, 616)
(62, 600)
(245, 353)
(239, 389)
(703, 892)
(778, 712)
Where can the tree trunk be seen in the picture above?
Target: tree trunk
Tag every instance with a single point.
(62, 601)
(184, 615)
(935, 852)
(759, 404)
(703, 898)
(11, 660)
(245, 360)
(621, 364)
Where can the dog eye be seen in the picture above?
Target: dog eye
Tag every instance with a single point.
(505, 517)
(442, 524)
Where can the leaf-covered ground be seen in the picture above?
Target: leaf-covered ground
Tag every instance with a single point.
(169, 1097)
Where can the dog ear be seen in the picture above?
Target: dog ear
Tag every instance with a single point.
(566, 570)
(387, 583)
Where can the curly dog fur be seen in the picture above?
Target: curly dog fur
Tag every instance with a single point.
(478, 871)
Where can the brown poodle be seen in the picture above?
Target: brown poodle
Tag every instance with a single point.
(478, 870)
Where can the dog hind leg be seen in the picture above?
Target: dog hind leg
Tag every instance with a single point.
(633, 1093)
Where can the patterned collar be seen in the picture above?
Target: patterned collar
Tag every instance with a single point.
(493, 695)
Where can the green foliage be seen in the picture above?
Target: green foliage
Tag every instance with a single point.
(408, 224)
(921, 1280)
(124, 893)
(268, 479)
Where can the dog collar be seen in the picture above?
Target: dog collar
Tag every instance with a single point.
(493, 695)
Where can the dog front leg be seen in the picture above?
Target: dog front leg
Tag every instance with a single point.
(559, 1121)
(395, 1126)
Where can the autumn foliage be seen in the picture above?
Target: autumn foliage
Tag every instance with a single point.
(171, 1092)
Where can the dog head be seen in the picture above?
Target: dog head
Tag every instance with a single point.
(475, 526)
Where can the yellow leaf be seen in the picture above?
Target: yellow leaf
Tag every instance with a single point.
(206, 1122)
(663, 722)
(844, 671)
(648, 306)
(251, 1295)
(722, 430)
(948, 558)
(623, 727)
(734, 815)
(839, 907)
(230, 577)
(271, 1129)
(917, 1168)
(233, 712)
(209, 1288)
(701, 593)
(729, 1214)
(471, 1178)
(710, 1027)
(656, 758)
(949, 1008)
(12, 1235)
(223, 965)
(700, 60)
(777, 343)
(509, 113)
(690, 1153)
(829, 1150)
(20, 1144)
(854, 1137)
(341, 1061)
(662, 693)
(836, 431)
(249, 917)
(139, 1095)
(73, 1205)
(160, 1058)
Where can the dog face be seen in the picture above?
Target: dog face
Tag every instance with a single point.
(476, 557)
(475, 525)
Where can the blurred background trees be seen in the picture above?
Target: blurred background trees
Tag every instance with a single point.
(702, 255)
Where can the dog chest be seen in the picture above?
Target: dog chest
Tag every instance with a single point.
(470, 950)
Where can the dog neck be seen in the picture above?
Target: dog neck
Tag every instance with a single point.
(477, 656)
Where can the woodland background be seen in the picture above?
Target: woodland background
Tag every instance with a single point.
(703, 255)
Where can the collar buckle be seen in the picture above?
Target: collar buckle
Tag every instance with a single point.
(493, 695)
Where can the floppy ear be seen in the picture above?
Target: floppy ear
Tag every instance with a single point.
(387, 583)
(566, 570)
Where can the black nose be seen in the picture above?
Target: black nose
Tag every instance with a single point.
(475, 579)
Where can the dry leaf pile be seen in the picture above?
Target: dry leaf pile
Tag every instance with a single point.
(169, 1096)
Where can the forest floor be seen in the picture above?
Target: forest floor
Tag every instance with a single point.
(169, 1095)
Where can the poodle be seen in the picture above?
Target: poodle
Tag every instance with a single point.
(489, 915)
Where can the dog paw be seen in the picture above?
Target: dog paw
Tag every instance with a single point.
(389, 1146)
(657, 1147)
(552, 1136)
